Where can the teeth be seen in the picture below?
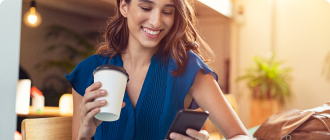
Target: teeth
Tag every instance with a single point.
(150, 32)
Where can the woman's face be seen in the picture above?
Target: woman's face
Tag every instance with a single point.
(148, 21)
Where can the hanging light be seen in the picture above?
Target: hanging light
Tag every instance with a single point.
(32, 18)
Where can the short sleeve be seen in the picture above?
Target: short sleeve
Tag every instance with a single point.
(195, 63)
(186, 80)
(82, 76)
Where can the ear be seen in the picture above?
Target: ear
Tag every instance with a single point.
(123, 7)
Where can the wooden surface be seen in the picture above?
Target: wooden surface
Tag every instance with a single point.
(55, 128)
(48, 111)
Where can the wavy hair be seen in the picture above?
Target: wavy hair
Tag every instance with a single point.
(182, 37)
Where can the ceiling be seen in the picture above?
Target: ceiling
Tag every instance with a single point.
(92, 8)
(101, 8)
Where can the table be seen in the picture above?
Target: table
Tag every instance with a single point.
(48, 111)
(251, 130)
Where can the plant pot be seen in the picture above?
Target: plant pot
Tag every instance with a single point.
(261, 110)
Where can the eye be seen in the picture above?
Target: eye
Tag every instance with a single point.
(145, 9)
(167, 13)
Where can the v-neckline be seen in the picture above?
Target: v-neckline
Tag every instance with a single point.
(143, 88)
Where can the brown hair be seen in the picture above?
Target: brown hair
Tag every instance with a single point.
(182, 37)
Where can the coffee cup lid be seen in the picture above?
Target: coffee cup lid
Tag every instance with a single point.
(111, 67)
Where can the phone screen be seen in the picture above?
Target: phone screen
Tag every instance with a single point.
(185, 119)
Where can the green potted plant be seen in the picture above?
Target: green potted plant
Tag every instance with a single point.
(269, 84)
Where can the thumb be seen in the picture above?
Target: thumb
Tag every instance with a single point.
(124, 104)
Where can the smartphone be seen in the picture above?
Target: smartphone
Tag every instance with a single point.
(185, 119)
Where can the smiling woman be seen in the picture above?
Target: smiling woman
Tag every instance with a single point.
(156, 42)
(151, 19)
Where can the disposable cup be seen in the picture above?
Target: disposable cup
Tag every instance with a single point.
(114, 80)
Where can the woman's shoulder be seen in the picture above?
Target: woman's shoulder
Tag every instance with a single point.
(195, 61)
(194, 64)
(192, 54)
(193, 57)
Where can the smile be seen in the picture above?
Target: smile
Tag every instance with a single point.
(150, 31)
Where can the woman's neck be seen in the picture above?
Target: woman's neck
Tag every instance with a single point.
(137, 57)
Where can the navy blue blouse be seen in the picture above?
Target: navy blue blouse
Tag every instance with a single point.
(162, 95)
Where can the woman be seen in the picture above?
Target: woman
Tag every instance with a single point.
(157, 43)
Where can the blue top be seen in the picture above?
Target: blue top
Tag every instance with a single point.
(162, 95)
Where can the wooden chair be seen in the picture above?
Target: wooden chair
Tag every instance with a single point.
(55, 128)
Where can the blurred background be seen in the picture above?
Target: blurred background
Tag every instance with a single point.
(270, 54)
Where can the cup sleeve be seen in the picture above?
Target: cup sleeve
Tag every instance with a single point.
(82, 75)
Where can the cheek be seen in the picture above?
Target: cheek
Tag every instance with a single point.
(169, 21)
(136, 18)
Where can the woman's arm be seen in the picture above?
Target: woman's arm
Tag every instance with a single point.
(75, 118)
(208, 95)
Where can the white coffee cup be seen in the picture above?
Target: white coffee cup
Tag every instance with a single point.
(114, 80)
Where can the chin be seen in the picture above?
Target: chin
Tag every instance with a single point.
(150, 44)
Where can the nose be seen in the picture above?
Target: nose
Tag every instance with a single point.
(155, 19)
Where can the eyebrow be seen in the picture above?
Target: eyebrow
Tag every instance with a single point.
(147, 1)
(151, 2)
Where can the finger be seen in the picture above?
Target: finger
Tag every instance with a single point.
(94, 86)
(177, 136)
(90, 96)
(89, 89)
(205, 133)
(96, 104)
(200, 135)
(124, 104)
(90, 115)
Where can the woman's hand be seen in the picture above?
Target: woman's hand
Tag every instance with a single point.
(89, 108)
(199, 135)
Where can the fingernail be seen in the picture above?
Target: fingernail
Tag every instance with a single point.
(102, 92)
(189, 132)
(102, 102)
(173, 135)
(97, 83)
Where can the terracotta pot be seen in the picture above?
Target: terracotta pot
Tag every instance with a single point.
(261, 110)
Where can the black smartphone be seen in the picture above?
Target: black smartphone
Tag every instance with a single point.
(185, 119)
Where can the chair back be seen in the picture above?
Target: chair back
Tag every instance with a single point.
(54, 128)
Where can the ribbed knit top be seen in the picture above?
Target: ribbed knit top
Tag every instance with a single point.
(161, 96)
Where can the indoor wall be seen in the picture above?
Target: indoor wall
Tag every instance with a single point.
(297, 32)
(34, 43)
